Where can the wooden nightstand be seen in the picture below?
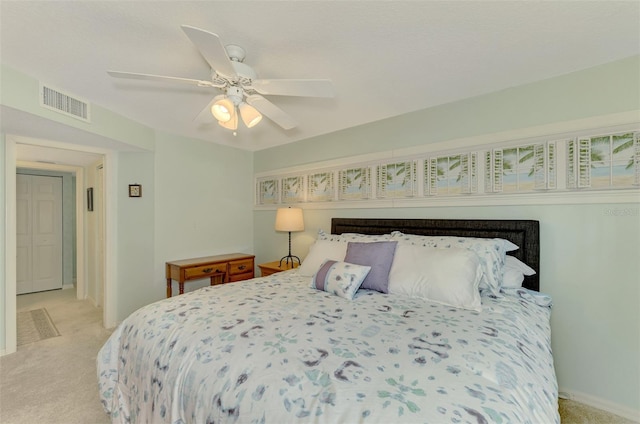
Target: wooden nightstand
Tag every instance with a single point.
(273, 267)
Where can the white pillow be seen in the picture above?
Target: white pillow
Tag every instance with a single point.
(514, 272)
(447, 276)
(319, 252)
(347, 237)
(490, 251)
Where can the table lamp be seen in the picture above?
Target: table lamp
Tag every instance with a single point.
(289, 219)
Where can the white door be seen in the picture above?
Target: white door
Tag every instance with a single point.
(39, 233)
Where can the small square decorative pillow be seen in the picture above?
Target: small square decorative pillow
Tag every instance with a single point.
(340, 278)
(377, 255)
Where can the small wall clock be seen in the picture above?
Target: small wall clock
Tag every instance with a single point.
(135, 190)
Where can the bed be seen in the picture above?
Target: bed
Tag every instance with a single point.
(291, 347)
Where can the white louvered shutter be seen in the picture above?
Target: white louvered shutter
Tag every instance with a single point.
(342, 184)
(469, 173)
(572, 164)
(497, 170)
(414, 178)
(584, 162)
(473, 160)
(382, 181)
(636, 157)
(465, 180)
(539, 167)
(433, 175)
(551, 165)
(488, 173)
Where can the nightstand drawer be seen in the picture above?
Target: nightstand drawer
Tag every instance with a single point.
(240, 267)
(204, 271)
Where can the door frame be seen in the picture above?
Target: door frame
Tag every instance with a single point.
(60, 240)
(78, 171)
(110, 218)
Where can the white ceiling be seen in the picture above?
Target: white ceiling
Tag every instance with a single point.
(386, 58)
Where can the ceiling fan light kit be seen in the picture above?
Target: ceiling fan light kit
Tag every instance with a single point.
(243, 90)
(222, 108)
(250, 115)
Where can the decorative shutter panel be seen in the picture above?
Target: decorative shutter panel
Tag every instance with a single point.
(473, 158)
(636, 157)
(342, 183)
(433, 176)
(584, 162)
(382, 181)
(539, 167)
(497, 170)
(572, 161)
(551, 164)
(414, 178)
(464, 173)
(488, 173)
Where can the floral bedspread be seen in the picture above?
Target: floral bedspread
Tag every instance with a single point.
(273, 350)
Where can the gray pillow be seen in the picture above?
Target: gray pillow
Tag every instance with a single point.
(379, 256)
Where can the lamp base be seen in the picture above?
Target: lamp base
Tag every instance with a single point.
(288, 258)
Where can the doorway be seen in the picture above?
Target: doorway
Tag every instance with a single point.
(13, 160)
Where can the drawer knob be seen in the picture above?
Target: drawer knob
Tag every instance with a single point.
(241, 267)
(206, 270)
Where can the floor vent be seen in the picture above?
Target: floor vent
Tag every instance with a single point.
(64, 103)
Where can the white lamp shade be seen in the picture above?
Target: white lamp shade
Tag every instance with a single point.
(231, 124)
(289, 219)
(250, 115)
(223, 109)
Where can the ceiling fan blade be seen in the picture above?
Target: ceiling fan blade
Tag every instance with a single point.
(272, 111)
(294, 87)
(149, 77)
(211, 49)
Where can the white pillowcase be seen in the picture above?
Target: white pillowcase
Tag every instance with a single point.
(491, 253)
(333, 247)
(447, 276)
(347, 237)
(319, 252)
(514, 272)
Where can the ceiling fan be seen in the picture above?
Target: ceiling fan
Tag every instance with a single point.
(242, 89)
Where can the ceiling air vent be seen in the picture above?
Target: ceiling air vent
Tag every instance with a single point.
(64, 103)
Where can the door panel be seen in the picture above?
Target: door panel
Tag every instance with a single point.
(39, 233)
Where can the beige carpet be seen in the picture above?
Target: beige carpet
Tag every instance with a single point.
(572, 412)
(35, 325)
(53, 381)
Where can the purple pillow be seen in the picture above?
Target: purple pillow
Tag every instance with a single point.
(379, 256)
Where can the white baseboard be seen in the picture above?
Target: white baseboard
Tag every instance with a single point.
(68, 286)
(605, 405)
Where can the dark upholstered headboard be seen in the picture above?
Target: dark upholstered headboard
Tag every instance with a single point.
(524, 233)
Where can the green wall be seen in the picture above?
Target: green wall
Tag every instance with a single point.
(589, 254)
(606, 89)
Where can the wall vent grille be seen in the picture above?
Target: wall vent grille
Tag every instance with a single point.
(59, 101)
